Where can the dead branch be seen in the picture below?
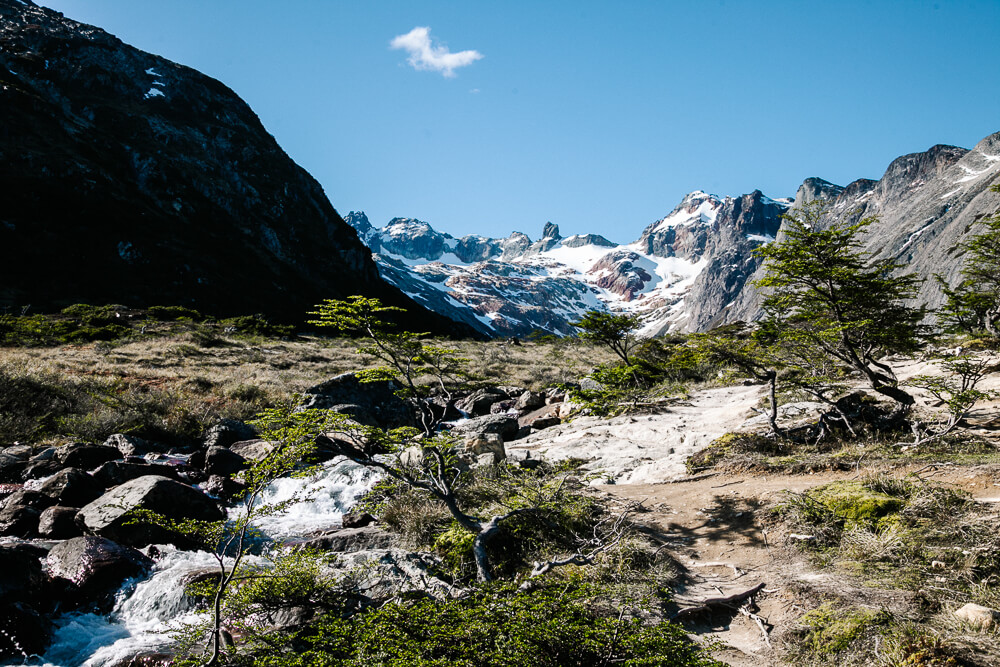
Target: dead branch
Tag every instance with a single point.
(729, 602)
(761, 623)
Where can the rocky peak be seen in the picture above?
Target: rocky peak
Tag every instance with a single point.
(359, 221)
(550, 231)
(815, 188)
(514, 246)
(578, 240)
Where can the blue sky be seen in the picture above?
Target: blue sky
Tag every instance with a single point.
(597, 116)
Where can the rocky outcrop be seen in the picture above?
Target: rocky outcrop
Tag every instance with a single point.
(132, 179)
(108, 516)
(94, 568)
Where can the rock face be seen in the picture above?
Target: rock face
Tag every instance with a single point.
(132, 179)
(106, 516)
(926, 205)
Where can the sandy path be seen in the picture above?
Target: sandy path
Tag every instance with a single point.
(649, 448)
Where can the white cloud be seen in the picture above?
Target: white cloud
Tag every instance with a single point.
(426, 56)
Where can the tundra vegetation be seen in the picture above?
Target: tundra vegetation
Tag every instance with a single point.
(529, 564)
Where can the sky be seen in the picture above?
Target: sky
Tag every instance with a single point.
(485, 117)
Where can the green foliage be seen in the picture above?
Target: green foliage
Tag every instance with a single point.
(256, 325)
(618, 332)
(830, 298)
(830, 628)
(496, 625)
(174, 313)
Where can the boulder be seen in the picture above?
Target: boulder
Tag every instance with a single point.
(95, 568)
(147, 659)
(29, 498)
(11, 467)
(19, 521)
(385, 573)
(357, 520)
(223, 462)
(129, 445)
(486, 444)
(369, 403)
(501, 407)
(978, 616)
(544, 422)
(106, 516)
(529, 400)
(227, 432)
(505, 426)
(478, 403)
(59, 523)
(221, 487)
(23, 632)
(23, 452)
(252, 450)
(86, 456)
(350, 539)
(72, 487)
(113, 473)
(40, 469)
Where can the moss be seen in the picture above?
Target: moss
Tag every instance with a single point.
(831, 629)
(858, 505)
(455, 547)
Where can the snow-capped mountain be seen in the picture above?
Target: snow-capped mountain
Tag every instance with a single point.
(514, 286)
(695, 268)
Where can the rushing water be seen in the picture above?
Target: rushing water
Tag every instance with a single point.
(145, 610)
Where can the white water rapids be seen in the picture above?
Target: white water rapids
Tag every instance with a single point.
(146, 609)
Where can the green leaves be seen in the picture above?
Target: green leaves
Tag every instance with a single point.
(615, 331)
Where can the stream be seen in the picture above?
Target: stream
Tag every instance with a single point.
(146, 609)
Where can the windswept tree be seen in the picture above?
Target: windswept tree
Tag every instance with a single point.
(618, 332)
(825, 292)
(405, 355)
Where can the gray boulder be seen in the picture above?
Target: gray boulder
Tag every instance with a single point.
(479, 402)
(72, 487)
(223, 462)
(58, 523)
(86, 456)
(107, 516)
(94, 568)
(228, 431)
(369, 403)
(129, 445)
(114, 473)
(505, 426)
(351, 539)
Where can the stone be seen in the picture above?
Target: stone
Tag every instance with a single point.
(505, 426)
(222, 487)
(11, 467)
(252, 450)
(86, 456)
(41, 468)
(529, 400)
(350, 539)
(95, 568)
(72, 487)
(113, 473)
(129, 445)
(107, 516)
(357, 520)
(224, 462)
(487, 444)
(19, 521)
(227, 432)
(29, 498)
(58, 523)
(478, 403)
(978, 616)
(369, 403)
(502, 407)
(147, 659)
(545, 422)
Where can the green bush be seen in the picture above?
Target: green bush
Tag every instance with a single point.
(552, 626)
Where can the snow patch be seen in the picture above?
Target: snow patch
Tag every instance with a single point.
(153, 92)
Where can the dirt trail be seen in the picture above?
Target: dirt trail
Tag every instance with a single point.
(715, 526)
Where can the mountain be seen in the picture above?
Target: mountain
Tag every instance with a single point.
(132, 179)
(926, 205)
(680, 273)
(695, 268)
